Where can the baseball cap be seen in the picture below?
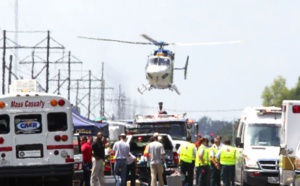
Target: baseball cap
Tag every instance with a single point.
(122, 134)
(156, 134)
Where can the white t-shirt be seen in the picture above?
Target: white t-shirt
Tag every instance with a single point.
(155, 149)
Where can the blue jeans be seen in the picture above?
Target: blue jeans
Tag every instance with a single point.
(120, 170)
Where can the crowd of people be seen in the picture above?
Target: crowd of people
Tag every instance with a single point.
(213, 161)
(93, 155)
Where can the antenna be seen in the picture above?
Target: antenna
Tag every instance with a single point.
(160, 106)
(161, 111)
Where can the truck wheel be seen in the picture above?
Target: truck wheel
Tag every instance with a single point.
(65, 180)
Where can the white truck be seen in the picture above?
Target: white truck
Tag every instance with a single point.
(116, 128)
(289, 164)
(177, 126)
(258, 144)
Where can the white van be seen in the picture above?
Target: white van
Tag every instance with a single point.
(258, 144)
(36, 132)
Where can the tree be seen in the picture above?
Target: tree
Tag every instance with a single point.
(294, 93)
(273, 95)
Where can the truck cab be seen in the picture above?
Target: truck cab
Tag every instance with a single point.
(258, 145)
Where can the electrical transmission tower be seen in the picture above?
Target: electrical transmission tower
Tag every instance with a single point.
(35, 47)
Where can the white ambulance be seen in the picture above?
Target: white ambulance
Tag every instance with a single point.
(257, 142)
(35, 137)
(290, 143)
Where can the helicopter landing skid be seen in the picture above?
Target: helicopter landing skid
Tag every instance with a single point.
(173, 87)
(143, 88)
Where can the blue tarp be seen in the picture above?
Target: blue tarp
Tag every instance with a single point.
(84, 126)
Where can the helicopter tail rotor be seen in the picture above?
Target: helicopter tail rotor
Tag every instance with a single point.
(186, 66)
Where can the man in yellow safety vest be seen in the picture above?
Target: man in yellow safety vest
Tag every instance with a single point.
(202, 161)
(226, 157)
(215, 179)
(187, 153)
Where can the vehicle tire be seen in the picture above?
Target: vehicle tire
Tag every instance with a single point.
(5, 182)
(66, 180)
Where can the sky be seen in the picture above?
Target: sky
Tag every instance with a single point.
(221, 79)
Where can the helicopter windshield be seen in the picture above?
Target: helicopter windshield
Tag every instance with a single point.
(159, 61)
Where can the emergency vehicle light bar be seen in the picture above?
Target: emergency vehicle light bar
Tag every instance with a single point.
(261, 112)
(24, 85)
(159, 116)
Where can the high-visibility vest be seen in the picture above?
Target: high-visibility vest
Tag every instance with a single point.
(227, 155)
(208, 153)
(146, 149)
(204, 155)
(215, 149)
(186, 152)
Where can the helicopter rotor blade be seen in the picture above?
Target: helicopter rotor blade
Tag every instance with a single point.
(210, 43)
(114, 40)
(150, 39)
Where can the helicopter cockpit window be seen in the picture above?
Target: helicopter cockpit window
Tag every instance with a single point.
(164, 61)
(159, 61)
(153, 61)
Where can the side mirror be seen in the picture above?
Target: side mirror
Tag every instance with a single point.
(238, 142)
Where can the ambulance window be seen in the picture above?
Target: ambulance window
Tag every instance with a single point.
(240, 129)
(4, 124)
(28, 124)
(243, 128)
(57, 121)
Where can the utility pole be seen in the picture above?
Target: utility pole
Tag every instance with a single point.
(90, 86)
(102, 109)
(47, 61)
(16, 36)
(69, 74)
(3, 62)
(121, 99)
(9, 69)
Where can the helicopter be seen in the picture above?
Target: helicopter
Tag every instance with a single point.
(160, 68)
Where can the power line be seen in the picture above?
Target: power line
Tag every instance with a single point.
(176, 110)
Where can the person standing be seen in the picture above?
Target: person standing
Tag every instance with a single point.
(98, 149)
(131, 168)
(202, 163)
(215, 179)
(121, 151)
(187, 153)
(197, 143)
(157, 153)
(147, 155)
(86, 150)
(226, 157)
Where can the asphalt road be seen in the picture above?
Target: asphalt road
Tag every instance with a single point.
(109, 181)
